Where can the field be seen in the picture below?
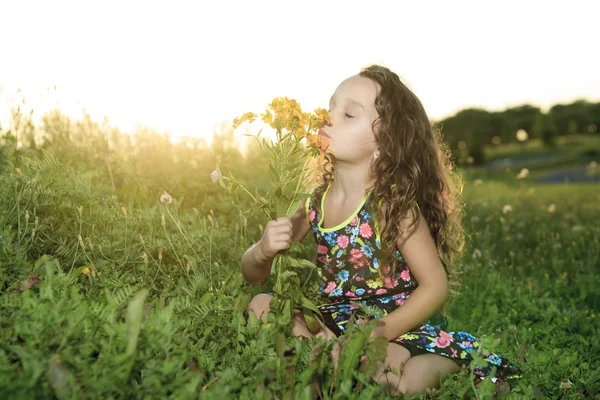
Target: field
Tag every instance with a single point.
(109, 293)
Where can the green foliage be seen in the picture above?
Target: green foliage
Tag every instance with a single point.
(469, 130)
(107, 293)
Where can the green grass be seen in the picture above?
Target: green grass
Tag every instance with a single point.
(530, 292)
(570, 146)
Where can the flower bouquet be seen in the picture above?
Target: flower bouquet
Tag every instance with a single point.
(289, 155)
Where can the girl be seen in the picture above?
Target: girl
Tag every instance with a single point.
(387, 226)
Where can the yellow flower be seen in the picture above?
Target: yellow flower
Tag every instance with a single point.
(18, 170)
(322, 116)
(551, 208)
(249, 116)
(300, 133)
(124, 210)
(313, 140)
(85, 271)
(267, 117)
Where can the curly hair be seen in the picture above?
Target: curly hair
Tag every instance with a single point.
(414, 172)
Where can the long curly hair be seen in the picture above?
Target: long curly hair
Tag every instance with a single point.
(414, 172)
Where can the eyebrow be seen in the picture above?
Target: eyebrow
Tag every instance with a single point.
(351, 101)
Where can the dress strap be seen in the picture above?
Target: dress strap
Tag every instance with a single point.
(307, 204)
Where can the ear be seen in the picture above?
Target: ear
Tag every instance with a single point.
(376, 154)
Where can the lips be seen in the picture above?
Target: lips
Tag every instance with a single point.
(324, 134)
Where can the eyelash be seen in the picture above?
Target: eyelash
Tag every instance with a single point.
(346, 114)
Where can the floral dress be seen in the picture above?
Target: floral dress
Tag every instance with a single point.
(349, 257)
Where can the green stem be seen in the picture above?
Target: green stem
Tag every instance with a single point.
(173, 248)
(188, 239)
(238, 184)
(297, 185)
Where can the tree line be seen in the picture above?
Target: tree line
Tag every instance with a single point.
(471, 129)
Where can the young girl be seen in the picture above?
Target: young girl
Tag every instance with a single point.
(387, 226)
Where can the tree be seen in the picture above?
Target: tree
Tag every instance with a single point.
(544, 127)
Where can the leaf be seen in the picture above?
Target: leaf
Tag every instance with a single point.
(133, 319)
(281, 208)
(287, 274)
(293, 208)
(376, 351)
(206, 298)
(59, 378)
(350, 358)
(307, 376)
(311, 322)
(303, 263)
(306, 303)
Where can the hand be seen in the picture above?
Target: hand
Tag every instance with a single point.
(276, 237)
(379, 329)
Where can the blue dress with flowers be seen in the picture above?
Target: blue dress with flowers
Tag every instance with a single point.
(352, 269)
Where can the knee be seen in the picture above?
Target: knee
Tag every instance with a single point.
(259, 305)
(411, 382)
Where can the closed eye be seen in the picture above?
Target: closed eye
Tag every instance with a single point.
(349, 116)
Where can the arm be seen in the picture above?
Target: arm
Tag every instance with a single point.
(278, 235)
(419, 250)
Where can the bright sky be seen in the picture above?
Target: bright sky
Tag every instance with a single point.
(183, 67)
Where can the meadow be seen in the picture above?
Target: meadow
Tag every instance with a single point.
(109, 292)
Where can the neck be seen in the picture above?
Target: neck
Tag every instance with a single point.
(351, 180)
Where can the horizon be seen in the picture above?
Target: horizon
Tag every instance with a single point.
(155, 67)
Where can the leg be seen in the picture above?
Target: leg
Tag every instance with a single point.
(423, 372)
(260, 307)
(396, 359)
(326, 334)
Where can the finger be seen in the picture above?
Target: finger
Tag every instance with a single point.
(280, 240)
(283, 221)
(286, 238)
(280, 230)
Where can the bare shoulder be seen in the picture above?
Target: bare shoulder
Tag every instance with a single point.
(419, 227)
(414, 228)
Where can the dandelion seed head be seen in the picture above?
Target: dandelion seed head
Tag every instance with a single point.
(166, 198)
